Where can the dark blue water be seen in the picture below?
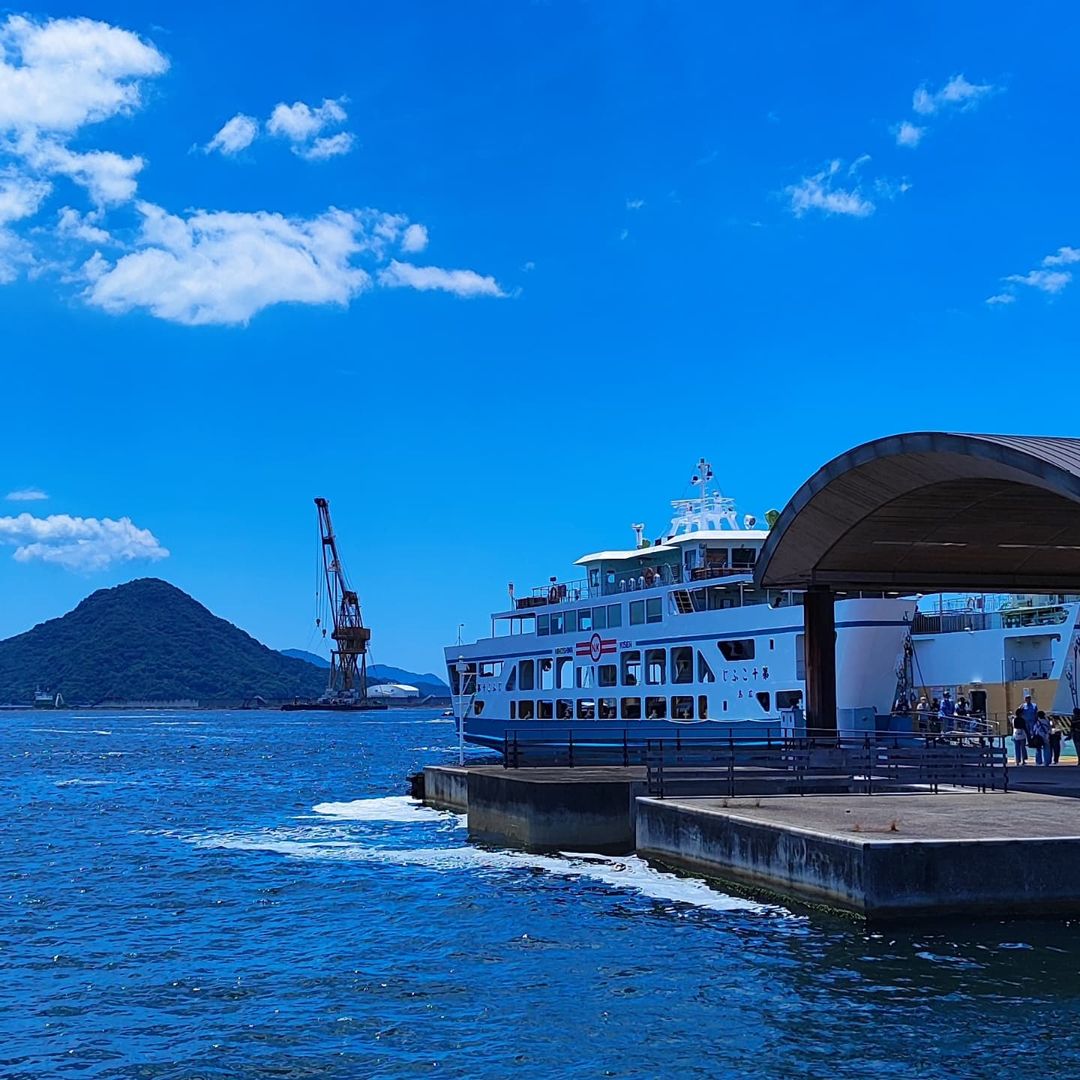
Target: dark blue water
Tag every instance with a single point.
(173, 905)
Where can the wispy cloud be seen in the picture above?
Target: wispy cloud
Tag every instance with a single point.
(78, 543)
(414, 239)
(821, 193)
(26, 495)
(235, 135)
(957, 93)
(909, 134)
(464, 283)
(1047, 277)
(303, 126)
(634, 204)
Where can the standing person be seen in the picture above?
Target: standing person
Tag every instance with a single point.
(922, 714)
(1030, 711)
(1055, 741)
(947, 711)
(1039, 739)
(1020, 734)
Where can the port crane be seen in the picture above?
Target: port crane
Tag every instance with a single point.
(348, 658)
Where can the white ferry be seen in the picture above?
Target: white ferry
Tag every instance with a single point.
(992, 650)
(670, 635)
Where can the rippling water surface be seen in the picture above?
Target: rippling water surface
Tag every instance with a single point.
(250, 895)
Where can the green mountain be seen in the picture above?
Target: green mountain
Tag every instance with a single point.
(428, 683)
(148, 641)
(310, 657)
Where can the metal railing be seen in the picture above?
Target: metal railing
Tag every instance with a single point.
(777, 764)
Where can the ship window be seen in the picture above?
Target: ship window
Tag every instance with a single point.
(655, 708)
(763, 699)
(527, 674)
(606, 675)
(455, 681)
(702, 707)
(525, 709)
(564, 709)
(743, 557)
(704, 672)
(513, 710)
(584, 620)
(788, 699)
(511, 679)
(607, 708)
(800, 656)
(682, 708)
(631, 708)
(654, 611)
(737, 649)
(599, 618)
(571, 622)
(558, 624)
(563, 672)
(585, 677)
(490, 669)
(721, 598)
(682, 664)
(586, 709)
(725, 704)
(631, 668)
(655, 662)
(543, 625)
(477, 706)
(543, 709)
(547, 674)
(614, 615)
(697, 598)
(637, 612)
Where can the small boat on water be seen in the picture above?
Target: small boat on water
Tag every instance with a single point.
(46, 699)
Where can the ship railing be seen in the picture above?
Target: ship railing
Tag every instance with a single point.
(776, 764)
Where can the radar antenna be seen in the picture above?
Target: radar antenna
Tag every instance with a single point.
(348, 661)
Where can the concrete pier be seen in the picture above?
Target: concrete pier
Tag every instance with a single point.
(586, 809)
(882, 856)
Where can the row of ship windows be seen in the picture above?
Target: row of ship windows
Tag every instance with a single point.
(632, 708)
(607, 617)
(656, 666)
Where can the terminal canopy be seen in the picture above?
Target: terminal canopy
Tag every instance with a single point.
(935, 512)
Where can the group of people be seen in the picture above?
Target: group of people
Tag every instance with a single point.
(944, 714)
(1033, 730)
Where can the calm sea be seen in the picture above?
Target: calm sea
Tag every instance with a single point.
(251, 895)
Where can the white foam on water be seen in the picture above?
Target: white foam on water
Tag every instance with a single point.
(398, 808)
(624, 873)
(82, 783)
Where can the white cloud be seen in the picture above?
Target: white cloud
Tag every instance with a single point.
(1064, 256)
(75, 226)
(819, 192)
(218, 267)
(78, 543)
(303, 125)
(26, 495)
(20, 197)
(1001, 298)
(415, 238)
(957, 93)
(109, 178)
(1047, 281)
(634, 204)
(235, 135)
(909, 134)
(327, 147)
(57, 75)
(466, 283)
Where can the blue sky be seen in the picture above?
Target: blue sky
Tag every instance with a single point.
(491, 277)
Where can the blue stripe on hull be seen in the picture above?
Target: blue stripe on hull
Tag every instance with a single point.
(493, 732)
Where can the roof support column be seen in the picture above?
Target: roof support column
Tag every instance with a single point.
(819, 612)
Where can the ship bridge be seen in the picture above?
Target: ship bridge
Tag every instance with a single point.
(929, 512)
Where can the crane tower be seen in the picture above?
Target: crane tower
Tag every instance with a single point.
(348, 658)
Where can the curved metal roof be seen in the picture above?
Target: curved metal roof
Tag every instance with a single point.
(937, 512)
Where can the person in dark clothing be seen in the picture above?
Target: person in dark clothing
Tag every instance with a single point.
(1055, 742)
(1074, 732)
(1020, 734)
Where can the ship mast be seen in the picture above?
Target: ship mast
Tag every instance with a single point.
(348, 661)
